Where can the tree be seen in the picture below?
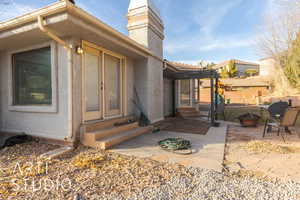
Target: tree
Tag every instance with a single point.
(206, 64)
(230, 71)
(292, 65)
(277, 42)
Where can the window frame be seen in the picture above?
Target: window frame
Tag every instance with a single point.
(53, 107)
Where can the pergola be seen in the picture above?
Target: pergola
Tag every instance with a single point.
(175, 73)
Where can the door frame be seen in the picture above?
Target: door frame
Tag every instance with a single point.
(179, 94)
(92, 114)
(123, 82)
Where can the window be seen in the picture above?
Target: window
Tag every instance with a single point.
(32, 77)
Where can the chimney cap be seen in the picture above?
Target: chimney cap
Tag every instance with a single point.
(134, 4)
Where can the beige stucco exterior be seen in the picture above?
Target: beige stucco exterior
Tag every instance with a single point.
(38, 121)
(66, 27)
(143, 52)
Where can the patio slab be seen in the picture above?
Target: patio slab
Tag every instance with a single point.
(208, 150)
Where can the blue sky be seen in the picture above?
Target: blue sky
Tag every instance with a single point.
(210, 30)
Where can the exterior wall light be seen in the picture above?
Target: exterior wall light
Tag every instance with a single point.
(79, 50)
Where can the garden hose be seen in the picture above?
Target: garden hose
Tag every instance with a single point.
(176, 145)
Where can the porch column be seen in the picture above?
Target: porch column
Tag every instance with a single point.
(174, 97)
(212, 106)
(199, 84)
(216, 97)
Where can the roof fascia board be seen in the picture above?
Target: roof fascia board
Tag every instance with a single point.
(32, 16)
(34, 25)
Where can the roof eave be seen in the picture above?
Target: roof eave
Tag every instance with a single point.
(62, 6)
(32, 16)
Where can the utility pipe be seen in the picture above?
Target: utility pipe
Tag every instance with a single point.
(70, 74)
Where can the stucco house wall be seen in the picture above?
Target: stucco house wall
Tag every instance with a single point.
(144, 69)
(168, 97)
(36, 121)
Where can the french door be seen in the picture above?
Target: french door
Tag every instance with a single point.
(103, 81)
(185, 92)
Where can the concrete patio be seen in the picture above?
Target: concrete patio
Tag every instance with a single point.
(208, 150)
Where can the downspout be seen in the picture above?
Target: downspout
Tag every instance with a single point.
(70, 74)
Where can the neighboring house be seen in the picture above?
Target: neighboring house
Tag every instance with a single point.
(63, 71)
(239, 91)
(267, 66)
(242, 66)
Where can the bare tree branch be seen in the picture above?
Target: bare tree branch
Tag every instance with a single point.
(277, 37)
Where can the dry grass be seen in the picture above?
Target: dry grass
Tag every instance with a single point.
(250, 173)
(84, 160)
(268, 147)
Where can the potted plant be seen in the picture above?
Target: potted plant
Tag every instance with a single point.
(249, 120)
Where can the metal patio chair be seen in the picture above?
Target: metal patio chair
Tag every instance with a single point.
(276, 111)
(287, 120)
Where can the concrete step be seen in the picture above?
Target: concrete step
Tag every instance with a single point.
(185, 109)
(98, 125)
(90, 137)
(121, 137)
(188, 111)
(189, 114)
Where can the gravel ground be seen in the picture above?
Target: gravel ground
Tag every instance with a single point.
(100, 175)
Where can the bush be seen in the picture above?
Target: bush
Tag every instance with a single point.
(230, 71)
(292, 64)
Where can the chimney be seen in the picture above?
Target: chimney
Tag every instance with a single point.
(145, 25)
(71, 1)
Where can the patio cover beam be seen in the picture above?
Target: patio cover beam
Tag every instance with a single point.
(198, 74)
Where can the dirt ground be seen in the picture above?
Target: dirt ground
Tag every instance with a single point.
(247, 153)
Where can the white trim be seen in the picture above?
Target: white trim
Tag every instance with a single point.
(123, 83)
(53, 108)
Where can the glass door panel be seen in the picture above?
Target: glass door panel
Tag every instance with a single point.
(112, 70)
(185, 93)
(92, 63)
